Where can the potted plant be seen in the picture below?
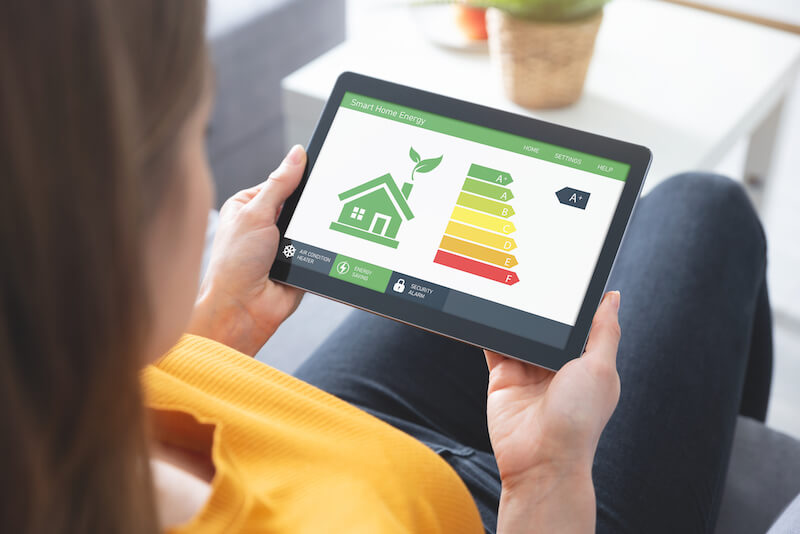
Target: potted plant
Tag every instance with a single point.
(543, 47)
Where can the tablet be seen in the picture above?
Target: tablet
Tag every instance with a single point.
(481, 225)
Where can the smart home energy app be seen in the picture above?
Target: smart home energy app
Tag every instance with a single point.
(472, 221)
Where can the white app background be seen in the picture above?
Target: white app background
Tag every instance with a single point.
(557, 245)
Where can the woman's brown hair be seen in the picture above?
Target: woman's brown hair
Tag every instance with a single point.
(93, 97)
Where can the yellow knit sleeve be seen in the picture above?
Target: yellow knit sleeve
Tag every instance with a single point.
(290, 457)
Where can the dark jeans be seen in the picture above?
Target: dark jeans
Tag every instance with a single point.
(696, 350)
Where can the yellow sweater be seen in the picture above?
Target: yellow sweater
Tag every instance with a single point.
(291, 458)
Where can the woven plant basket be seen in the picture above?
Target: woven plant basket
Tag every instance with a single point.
(543, 64)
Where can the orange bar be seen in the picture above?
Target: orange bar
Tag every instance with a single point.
(482, 237)
(478, 252)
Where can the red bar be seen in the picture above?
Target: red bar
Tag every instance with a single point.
(475, 267)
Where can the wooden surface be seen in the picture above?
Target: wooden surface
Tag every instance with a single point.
(780, 14)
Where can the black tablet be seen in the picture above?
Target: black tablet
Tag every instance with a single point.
(485, 226)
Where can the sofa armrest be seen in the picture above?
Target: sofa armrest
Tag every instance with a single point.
(763, 478)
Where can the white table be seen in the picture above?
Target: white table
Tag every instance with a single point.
(686, 83)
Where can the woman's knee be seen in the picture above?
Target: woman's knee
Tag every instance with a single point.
(716, 206)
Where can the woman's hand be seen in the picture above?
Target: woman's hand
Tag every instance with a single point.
(544, 428)
(238, 304)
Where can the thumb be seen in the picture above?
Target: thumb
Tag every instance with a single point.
(604, 337)
(281, 182)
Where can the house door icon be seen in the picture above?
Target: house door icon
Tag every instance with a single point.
(379, 224)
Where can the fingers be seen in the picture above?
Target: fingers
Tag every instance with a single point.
(245, 195)
(605, 334)
(281, 183)
(492, 359)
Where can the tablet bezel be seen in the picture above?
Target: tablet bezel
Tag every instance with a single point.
(528, 350)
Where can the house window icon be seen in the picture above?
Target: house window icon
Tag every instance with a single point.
(357, 213)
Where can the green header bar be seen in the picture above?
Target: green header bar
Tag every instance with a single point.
(487, 136)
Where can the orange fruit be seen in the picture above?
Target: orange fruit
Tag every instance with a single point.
(472, 22)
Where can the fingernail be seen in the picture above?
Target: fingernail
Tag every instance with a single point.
(615, 298)
(295, 155)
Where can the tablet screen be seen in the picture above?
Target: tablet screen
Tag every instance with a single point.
(474, 222)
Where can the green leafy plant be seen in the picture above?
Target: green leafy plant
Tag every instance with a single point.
(544, 10)
(423, 165)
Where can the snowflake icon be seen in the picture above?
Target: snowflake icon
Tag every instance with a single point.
(289, 251)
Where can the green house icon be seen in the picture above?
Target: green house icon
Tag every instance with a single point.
(375, 210)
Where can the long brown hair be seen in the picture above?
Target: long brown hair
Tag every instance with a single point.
(93, 96)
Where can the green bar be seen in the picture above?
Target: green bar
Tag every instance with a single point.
(485, 205)
(490, 175)
(487, 136)
(360, 273)
(487, 190)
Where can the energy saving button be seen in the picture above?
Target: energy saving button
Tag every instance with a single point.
(360, 273)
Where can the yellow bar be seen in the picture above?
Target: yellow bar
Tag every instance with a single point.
(483, 237)
(488, 205)
(476, 218)
(478, 252)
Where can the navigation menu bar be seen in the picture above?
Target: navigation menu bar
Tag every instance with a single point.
(487, 136)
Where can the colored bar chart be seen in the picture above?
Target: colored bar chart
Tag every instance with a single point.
(476, 239)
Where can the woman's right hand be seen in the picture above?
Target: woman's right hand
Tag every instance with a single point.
(238, 304)
(544, 427)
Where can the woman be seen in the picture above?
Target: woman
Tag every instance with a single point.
(106, 189)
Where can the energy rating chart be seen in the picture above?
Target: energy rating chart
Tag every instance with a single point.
(476, 239)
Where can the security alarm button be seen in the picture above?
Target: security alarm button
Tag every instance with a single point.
(399, 286)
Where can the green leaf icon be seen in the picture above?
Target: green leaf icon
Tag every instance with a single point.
(414, 156)
(427, 165)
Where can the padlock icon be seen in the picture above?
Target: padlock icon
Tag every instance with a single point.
(399, 286)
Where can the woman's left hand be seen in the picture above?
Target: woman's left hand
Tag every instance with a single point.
(544, 428)
(238, 304)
